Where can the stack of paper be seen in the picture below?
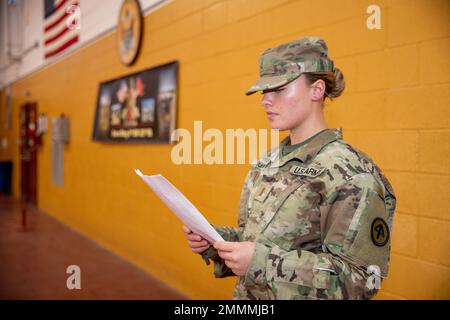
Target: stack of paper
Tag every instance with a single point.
(181, 206)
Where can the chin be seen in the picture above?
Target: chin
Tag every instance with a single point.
(278, 126)
(274, 126)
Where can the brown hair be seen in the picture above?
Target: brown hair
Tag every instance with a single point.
(334, 82)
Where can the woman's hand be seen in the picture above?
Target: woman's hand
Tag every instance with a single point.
(197, 243)
(237, 255)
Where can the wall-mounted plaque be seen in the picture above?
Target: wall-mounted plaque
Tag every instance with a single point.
(129, 31)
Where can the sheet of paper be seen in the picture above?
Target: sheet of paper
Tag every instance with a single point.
(181, 206)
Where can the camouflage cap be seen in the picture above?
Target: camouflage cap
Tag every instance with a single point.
(285, 63)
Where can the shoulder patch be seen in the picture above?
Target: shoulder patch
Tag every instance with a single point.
(306, 171)
(379, 232)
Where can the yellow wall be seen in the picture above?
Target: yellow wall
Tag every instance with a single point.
(395, 108)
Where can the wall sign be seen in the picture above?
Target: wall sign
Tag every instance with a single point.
(140, 107)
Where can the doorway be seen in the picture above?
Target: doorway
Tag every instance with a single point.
(28, 152)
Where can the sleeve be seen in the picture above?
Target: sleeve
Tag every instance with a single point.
(354, 254)
(220, 268)
(229, 234)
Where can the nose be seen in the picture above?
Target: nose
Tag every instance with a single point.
(267, 99)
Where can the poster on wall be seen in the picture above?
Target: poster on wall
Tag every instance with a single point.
(138, 108)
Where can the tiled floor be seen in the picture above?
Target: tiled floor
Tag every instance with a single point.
(33, 264)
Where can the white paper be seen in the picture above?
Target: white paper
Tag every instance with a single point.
(181, 206)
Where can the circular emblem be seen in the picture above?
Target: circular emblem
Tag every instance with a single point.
(129, 31)
(379, 232)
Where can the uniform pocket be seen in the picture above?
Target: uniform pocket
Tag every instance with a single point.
(308, 270)
(296, 222)
(322, 272)
(302, 283)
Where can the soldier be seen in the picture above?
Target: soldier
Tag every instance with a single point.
(315, 213)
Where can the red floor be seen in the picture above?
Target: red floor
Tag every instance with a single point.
(33, 264)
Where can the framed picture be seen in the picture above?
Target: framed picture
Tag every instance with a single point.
(138, 108)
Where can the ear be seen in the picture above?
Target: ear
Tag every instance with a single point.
(318, 90)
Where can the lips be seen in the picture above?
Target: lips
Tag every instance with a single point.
(271, 114)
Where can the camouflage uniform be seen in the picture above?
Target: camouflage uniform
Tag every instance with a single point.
(319, 217)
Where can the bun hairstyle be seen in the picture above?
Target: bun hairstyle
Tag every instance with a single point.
(334, 82)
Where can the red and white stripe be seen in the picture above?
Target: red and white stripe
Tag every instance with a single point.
(57, 35)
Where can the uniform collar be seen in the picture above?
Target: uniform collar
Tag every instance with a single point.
(307, 152)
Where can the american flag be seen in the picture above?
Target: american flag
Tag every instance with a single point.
(60, 31)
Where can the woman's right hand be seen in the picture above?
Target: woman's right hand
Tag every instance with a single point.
(196, 242)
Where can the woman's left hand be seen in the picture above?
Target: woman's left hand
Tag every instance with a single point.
(237, 255)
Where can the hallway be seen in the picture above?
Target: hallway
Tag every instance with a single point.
(33, 263)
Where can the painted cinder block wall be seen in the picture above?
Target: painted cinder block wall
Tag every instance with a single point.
(395, 108)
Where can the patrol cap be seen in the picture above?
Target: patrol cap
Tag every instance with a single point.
(285, 63)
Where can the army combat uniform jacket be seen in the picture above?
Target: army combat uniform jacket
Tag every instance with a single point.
(320, 217)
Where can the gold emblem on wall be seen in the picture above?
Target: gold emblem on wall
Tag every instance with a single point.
(129, 31)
